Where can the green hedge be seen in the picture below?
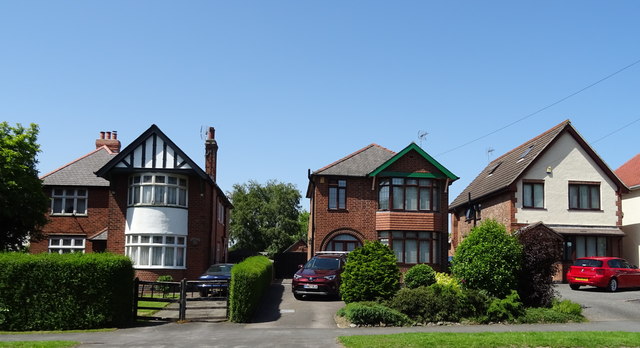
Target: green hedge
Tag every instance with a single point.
(62, 292)
(250, 279)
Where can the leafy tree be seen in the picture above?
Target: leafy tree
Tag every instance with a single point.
(265, 217)
(23, 203)
(540, 255)
(488, 259)
(371, 273)
(303, 219)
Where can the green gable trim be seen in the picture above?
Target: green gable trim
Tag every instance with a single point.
(412, 175)
(446, 173)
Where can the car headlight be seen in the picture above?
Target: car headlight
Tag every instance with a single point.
(330, 277)
(297, 276)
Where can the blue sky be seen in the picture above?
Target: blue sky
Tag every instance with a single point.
(296, 85)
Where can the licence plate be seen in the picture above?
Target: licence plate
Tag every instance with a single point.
(310, 286)
(582, 279)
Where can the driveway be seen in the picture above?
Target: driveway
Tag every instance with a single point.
(600, 305)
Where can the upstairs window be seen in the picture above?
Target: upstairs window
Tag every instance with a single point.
(533, 195)
(158, 189)
(584, 196)
(69, 201)
(408, 194)
(337, 194)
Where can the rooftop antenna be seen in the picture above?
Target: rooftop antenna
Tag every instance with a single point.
(489, 153)
(204, 130)
(421, 136)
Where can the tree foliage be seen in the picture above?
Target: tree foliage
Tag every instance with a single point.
(265, 217)
(371, 273)
(23, 203)
(419, 275)
(488, 259)
(541, 252)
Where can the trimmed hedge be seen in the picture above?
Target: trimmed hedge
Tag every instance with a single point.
(250, 279)
(373, 314)
(419, 275)
(63, 292)
(371, 273)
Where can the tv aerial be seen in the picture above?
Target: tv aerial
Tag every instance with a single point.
(422, 135)
(490, 151)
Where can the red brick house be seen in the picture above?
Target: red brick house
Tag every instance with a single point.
(555, 178)
(374, 193)
(149, 201)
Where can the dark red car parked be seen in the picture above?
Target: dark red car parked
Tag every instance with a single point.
(319, 276)
(609, 273)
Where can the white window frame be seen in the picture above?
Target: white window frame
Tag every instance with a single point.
(64, 195)
(154, 189)
(67, 244)
(146, 249)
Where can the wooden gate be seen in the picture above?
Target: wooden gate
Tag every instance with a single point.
(182, 297)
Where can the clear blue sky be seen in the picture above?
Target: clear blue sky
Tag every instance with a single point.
(293, 85)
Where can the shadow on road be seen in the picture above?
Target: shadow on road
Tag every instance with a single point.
(269, 309)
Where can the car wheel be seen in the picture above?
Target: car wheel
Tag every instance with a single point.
(297, 296)
(574, 286)
(613, 285)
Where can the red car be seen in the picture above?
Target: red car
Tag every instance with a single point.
(610, 273)
(319, 276)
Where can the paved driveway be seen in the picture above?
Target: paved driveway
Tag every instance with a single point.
(600, 305)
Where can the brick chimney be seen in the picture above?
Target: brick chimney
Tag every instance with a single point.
(211, 153)
(110, 139)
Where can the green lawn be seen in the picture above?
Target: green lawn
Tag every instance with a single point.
(150, 312)
(496, 339)
(39, 344)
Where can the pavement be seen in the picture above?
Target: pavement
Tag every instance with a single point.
(285, 322)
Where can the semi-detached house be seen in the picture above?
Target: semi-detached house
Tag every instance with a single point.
(149, 201)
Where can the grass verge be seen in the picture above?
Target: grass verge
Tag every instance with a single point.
(586, 339)
(39, 344)
(150, 312)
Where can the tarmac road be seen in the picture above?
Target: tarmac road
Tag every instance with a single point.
(285, 322)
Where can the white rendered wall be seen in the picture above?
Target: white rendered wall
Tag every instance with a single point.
(568, 162)
(156, 220)
(631, 226)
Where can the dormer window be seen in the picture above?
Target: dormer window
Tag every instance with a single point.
(158, 190)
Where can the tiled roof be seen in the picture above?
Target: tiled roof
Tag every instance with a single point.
(81, 171)
(359, 163)
(504, 170)
(629, 172)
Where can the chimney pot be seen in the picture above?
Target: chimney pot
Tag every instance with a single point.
(115, 135)
(211, 134)
(108, 135)
(101, 135)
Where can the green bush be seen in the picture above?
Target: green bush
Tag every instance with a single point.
(63, 292)
(371, 273)
(419, 275)
(164, 288)
(432, 304)
(507, 309)
(567, 307)
(250, 279)
(373, 314)
(446, 279)
(488, 259)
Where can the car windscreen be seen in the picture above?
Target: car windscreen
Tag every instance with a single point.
(587, 263)
(220, 269)
(323, 263)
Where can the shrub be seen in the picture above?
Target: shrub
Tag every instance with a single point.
(371, 273)
(164, 288)
(488, 259)
(419, 275)
(373, 314)
(477, 304)
(431, 304)
(506, 309)
(542, 249)
(63, 292)
(250, 279)
(448, 280)
(535, 315)
(567, 307)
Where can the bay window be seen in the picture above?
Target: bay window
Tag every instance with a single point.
(156, 251)
(408, 194)
(412, 247)
(158, 190)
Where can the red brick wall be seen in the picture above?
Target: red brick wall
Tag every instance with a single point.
(500, 208)
(396, 220)
(95, 221)
(412, 162)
